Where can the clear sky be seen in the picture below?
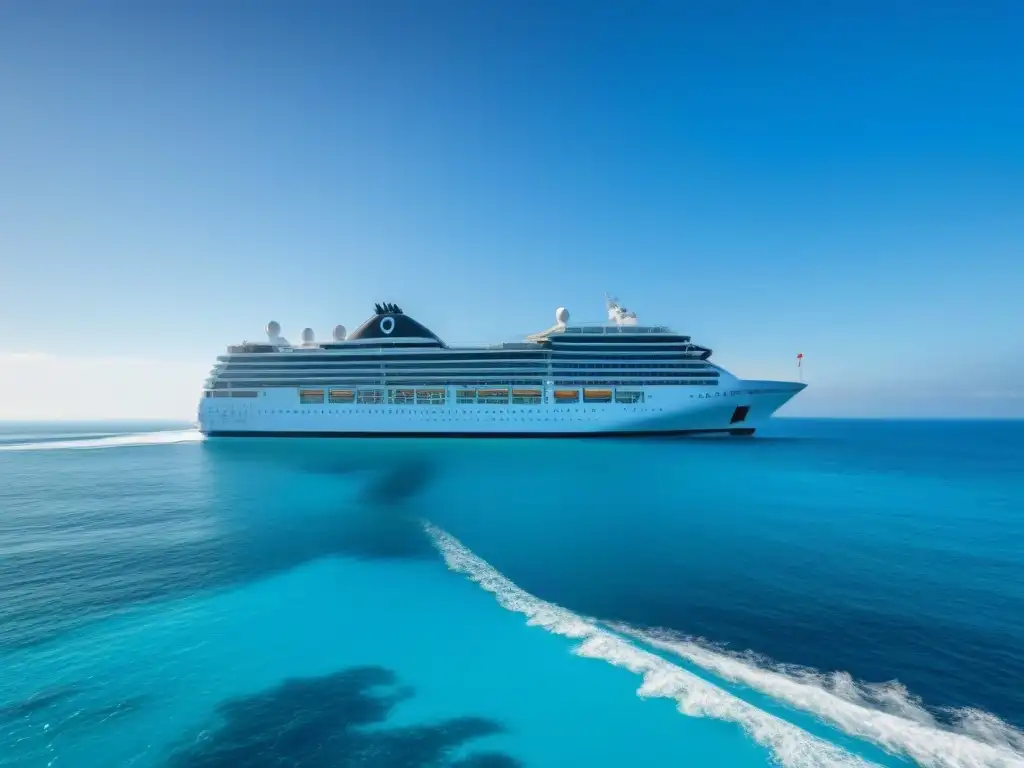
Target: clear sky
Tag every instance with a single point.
(842, 179)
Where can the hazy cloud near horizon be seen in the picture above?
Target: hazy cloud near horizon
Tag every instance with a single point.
(45, 386)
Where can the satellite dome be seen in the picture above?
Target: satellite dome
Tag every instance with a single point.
(307, 336)
(273, 328)
(562, 315)
(339, 333)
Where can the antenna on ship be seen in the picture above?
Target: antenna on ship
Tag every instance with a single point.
(617, 313)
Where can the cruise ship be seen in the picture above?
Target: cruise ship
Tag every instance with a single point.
(393, 377)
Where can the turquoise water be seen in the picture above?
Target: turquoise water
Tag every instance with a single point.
(832, 593)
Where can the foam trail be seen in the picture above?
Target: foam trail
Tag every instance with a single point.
(912, 733)
(988, 728)
(789, 745)
(115, 441)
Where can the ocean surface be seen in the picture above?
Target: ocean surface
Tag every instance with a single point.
(829, 593)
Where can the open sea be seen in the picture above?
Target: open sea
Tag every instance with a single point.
(829, 593)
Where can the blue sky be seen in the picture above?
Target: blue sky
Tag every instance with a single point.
(844, 180)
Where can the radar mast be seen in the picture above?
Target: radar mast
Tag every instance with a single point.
(617, 313)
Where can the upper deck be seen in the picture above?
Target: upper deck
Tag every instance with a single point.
(391, 332)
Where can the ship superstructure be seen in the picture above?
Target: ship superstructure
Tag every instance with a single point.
(392, 376)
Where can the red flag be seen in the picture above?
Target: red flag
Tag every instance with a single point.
(799, 359)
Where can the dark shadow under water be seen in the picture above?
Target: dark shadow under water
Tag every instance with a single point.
(334, 721)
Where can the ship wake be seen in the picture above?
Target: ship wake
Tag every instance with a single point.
(884, 716)
(165, 437)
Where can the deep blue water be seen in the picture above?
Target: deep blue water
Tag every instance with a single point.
(829, 593)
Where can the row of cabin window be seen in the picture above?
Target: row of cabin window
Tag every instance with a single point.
(412, 400)
(681, 348)
(630, 383)
(595, 361)
(433, 396)
(376, 382)
(479, 401)
(377, 398)
(223, 385)
(622, 398)
(564, 370)
(568, 362)
(419, 381)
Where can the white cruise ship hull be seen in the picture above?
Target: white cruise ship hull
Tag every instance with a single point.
(738, 407)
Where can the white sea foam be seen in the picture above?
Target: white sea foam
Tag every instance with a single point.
(789, 745)
(114, 441)
(988, 728)
(882, 714)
